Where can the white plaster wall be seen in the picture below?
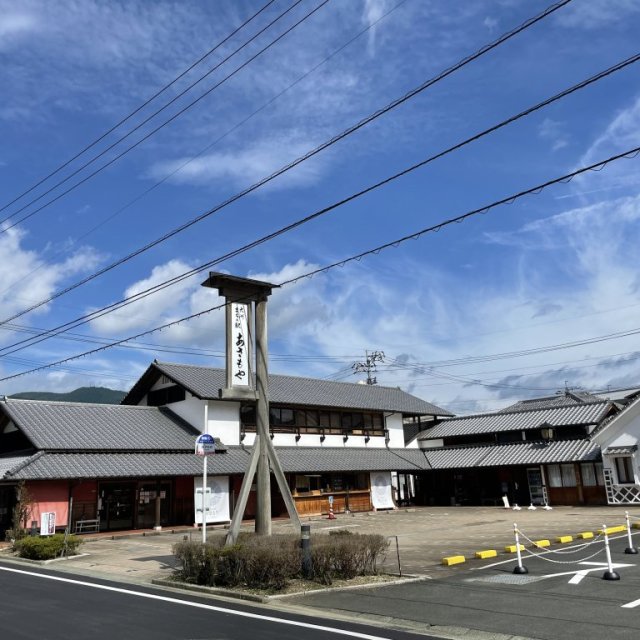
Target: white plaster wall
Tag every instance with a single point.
(623, 431)
(396, 432)
(190, 409)
(224, 421)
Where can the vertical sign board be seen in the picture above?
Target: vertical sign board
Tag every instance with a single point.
(47, 523)
(240, 351)
(381, 497)
(216, 499)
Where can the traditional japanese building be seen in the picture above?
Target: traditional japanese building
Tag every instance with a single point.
(534, 452)
(133, 465)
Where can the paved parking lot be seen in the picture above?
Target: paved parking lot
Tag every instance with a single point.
(550, 602)
(480, 595)
(425, 535)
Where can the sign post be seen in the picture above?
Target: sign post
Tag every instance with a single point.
(205, 446)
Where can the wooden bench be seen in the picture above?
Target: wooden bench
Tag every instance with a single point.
(87, 526)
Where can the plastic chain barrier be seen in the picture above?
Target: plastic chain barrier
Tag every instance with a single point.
(544, 554)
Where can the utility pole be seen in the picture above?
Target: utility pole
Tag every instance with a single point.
(369, 365)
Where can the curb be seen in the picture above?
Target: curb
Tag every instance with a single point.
(264, 599)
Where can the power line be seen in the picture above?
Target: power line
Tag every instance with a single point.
(432, 229)
(632, 153)
(159, 127)
(138, 109)
(300, 222)
(211, 145)
(395, 103)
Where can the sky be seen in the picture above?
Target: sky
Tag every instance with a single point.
(473, 317)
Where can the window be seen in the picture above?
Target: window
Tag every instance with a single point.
(555, 476)
(588, 474)
(568, 475)
(592, 474)
(293, 420)
(624, 469)
(167, 395)
(561, 475)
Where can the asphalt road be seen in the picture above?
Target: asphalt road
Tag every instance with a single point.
(45, 605)
(562, 597)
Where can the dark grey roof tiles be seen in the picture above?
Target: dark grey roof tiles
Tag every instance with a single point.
(565, 399)
(136, 465)
(520, 453)
(578, 414)
(50, 465)
(76, 426)
(11, 463)
(205, 382)
(128, 465)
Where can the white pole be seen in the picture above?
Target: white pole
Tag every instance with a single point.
(204, 477)
(204, 499)
(520, 568)
(630, 549)
(610, 574)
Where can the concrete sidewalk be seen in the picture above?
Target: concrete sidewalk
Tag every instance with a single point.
(425, 535)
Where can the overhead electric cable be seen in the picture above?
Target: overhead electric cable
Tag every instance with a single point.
(6, 227)
(181, 277)
(300, 222)
(138, 109)
(212, 145)
(598, 166)
(325, 145)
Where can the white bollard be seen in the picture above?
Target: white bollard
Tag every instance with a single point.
(610, 574)
(630, 549)
(520, 569)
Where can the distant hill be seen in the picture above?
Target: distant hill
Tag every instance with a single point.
(100, 395)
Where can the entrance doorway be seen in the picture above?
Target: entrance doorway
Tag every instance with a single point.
(116, 500)
(148, 495)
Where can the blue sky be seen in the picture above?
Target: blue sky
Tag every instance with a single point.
(551, 268)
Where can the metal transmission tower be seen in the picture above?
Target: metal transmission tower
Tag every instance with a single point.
(369, 365)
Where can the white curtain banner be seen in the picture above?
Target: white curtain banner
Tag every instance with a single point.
(216, 499)
(381, 497)
(240, 345)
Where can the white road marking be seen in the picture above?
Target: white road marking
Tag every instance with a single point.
(631, 605)
(198, 605)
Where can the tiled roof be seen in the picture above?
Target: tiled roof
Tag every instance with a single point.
(621, 450)
(50, 465)
(206, 382)
(76, 426)
(579, 414)
(565, 399)
(520, 453)
(10, 463)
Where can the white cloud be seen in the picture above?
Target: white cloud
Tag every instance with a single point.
(554, 132)
(247, 165)
(26, 279)
(153, 310)
(594, 14)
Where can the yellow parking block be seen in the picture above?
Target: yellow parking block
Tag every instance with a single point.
(585, 535)
(487, 553)
(453, 560)
(636, 525)
(511, 548)
(542, 543)
(609, 530)
(564, 539)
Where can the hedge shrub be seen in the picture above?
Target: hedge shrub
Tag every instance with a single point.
(271, 562)
(46, 547)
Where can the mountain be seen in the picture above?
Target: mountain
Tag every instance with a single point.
(100, 395)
